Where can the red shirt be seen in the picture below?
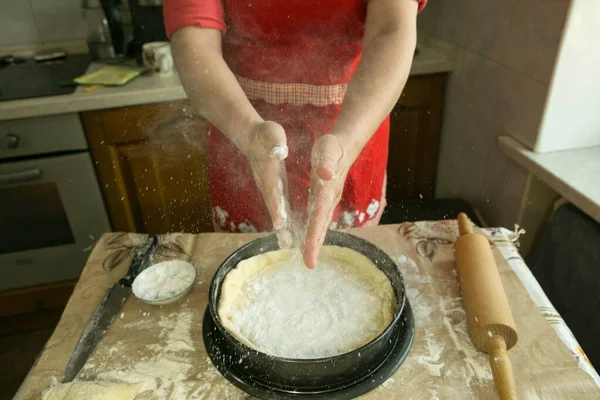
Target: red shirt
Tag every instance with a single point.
(279, 40)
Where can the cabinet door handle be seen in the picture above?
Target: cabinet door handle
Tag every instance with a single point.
(20, 177)
(12, 141)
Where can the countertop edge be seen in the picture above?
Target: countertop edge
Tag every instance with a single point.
(76, 102)
(530, 161)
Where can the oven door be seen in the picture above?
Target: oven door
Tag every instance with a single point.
(51, 211)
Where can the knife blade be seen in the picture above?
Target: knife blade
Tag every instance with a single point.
(107, 311)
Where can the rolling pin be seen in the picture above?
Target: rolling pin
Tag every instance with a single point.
(491, 325)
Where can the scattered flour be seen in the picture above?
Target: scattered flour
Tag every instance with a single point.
(420, 307)
(117, 348)
(221, 215)
(433, 394)
(211, 385)
(164, 280)
(279, 152)
(476, 363)
(165, 370)
(408, 262)
(348, 218)
(178, 338)
(140, 323)
(285, 232)
(246, 227)
(432, 359)
(372, 208)
(389, 382)
(409, 268)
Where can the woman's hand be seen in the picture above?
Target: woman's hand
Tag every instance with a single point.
(330, 162)
(216, 94)
(388, 47)
(265, 148)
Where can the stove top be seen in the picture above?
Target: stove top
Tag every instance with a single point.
(22, 78)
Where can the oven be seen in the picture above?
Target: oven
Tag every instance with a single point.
(51, 207)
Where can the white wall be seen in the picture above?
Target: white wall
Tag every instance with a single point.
(36, 22)
(572, 115)
(505, 58)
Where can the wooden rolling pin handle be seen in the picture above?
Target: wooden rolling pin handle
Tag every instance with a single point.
(502, 368)
(464, 225)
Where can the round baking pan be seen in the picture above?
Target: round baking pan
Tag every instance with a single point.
(268, 376)
(236, 374)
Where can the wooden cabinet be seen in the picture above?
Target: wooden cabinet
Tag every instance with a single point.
(414, 139)
(151, 167)
(32, 308)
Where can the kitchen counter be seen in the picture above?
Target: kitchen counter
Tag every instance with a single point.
(162, 346)
(157, 89)
(574, 174)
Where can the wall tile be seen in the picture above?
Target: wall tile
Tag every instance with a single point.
(523, 35)
(428, 18)
(485, 100)
(453, 20)
(505, 183)
(502, 210)
(505, 100)
(523, 100)
(536, 27)
(17, 26)
(59, 20)
(447, 19)
(505, 172)
(460, 173)
(499, 86)
(465, 120)
(489, 28)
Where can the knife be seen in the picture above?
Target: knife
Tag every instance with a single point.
(108, 309)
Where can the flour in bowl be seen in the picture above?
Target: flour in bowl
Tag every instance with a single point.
(276, 305)
(164, 280)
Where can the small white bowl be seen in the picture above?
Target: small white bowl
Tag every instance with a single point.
(145, 276)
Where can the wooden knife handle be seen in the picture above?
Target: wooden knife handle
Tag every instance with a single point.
(502, 368)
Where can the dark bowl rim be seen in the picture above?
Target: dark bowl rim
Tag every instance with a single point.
(214, 314)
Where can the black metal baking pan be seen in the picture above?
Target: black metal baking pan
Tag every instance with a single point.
(268, 376)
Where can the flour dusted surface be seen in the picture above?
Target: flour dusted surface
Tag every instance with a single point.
(275, 304)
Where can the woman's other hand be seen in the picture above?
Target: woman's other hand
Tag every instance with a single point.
(266, 149)
(330, 162)
(388, 49)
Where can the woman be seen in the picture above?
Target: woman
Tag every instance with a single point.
(311, 82)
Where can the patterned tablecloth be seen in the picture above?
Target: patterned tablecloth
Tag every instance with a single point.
(162, 346)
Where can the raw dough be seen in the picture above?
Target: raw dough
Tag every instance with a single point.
(274, 304)
(92, 391)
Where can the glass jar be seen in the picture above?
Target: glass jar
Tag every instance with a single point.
(98, 36)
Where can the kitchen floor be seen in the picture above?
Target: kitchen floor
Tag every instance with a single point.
(18, 352)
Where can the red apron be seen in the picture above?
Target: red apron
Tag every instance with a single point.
(294, 63)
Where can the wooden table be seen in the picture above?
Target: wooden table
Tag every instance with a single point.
(162, 345)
